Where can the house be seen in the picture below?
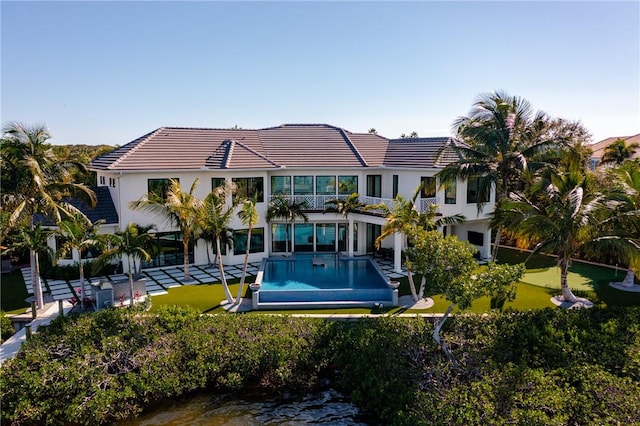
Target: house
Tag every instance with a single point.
(598, 148)
(314, 162)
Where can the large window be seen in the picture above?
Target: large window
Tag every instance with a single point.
(428, 187)
(326, 237)
(303, 185)
(303, 237)
(474, 194)
(217, 182)
(373, 232)
(250, 188)
(347, 185)
(475, 238)
(167, 250)
(325, 185)
(450, 193)
(279, 234)
(240, 241)
(374, 186)
(159, 186)
(281, 185)
(342, 236)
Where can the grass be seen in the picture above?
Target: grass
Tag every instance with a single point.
(540, 283)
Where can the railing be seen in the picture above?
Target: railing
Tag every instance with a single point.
(317, 202)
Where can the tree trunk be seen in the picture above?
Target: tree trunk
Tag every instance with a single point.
(438, 339)
(423, 284)
(82, 286)
(496, 243)
(35, 278)
(185, 255)
(412, 286)
(286, 236)
(567, 295)
(222, 277)
(130, 280)
(244, 269)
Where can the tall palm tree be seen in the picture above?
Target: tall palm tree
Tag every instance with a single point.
(179, 208)
(344, 207)
(214, 219)
(35, 182)
(619, 151)
(282, 207)
(128, 243)
(79, 234)
(35, 240)
(249, 217)
(503, 134)
(565, 214)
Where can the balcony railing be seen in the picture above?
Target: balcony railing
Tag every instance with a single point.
(317, 202)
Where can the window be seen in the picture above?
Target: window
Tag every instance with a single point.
(167, 250)
(474, 195)
(159, 187)
(112, 182)
(374, 185)
(250, 188)
(217, 182)
(395, 186)
(428, 187)
(240, 241)
(347, 185)
(60, 240)
(303, 185)
(102, 181)
(326, 185)
(342, 236)
(475, 238)
(90, 253)
(450, 193)
(280, 233)
(326, 237)
(281, 185)
(303, 237)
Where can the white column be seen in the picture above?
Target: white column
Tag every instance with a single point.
(486, 245)
(397, 251)
(350, 238)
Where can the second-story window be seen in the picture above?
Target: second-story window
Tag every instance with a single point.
(217, 182)
(159, 186)
(428, 187)
(281, 185)
(347, 185)
(325, 185)
(249, 188)
(303, 185)
(474, 193)
(450, 192)
(374, 186)
(395, 186)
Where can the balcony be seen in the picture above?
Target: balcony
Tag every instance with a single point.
(317, 202)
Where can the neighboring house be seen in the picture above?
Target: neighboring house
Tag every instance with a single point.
(599, 148)
(315, 162)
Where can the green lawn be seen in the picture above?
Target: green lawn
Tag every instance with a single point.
(539, 284)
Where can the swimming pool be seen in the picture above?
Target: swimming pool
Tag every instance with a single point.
(321, 280)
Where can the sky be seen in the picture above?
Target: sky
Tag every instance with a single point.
(109, 72)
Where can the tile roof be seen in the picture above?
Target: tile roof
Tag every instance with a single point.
(599, 147)
(289, 145)
(421, 152)
(103, 210)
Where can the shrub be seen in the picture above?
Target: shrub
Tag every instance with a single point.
(6, 328)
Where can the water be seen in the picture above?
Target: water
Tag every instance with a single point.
(328, 407)
(301, 274)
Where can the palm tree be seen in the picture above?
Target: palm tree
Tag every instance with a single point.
(35, 182)
(619, 151)
(129, 243)
(35, 240)
(344, 207)
(179, 208)
(79, 234)
(503, 135)
(565, 214)
(214, 219)
(248, 214)
(282, 207)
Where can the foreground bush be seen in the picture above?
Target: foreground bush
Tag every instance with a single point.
(543, 367)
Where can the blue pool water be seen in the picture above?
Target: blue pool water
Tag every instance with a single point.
(336, 279)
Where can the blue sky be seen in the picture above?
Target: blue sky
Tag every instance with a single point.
(108, 72)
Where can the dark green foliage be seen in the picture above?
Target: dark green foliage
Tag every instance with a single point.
(543, 367)
(6, 329)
